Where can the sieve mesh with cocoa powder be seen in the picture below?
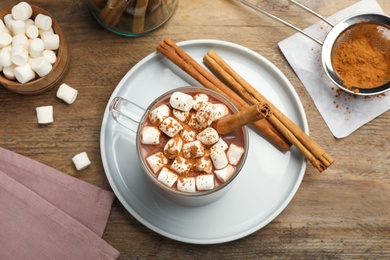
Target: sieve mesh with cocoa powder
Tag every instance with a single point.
(361, 55)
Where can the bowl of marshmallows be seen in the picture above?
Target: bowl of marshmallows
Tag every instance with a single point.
(34, 54)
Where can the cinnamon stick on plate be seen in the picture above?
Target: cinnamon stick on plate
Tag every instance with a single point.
(179, 57)
(317, 156)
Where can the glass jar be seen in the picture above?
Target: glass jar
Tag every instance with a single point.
(132, 17)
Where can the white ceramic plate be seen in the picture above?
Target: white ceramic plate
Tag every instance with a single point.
(266, 184)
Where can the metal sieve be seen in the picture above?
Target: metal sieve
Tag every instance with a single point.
(339, 34)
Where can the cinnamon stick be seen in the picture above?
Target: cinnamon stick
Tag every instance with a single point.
(112, 12)
(244, 117)
(139, 16)
(179, 57)
(318, 157)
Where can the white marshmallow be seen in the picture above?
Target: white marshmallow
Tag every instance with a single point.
(199, 99)
(193, 149)
(44, 33)
(234, 154)
(41, 66)
(219, 159)
(167, 177)
(5, 39)
(221, 145)
(221, 110)
(157, 161)
(208, 136)
(170, 126)
(52, 42)
(9, 72)
(150, 135)
(2, 26)
(206, 114)
(32, 31)
(186, 184)
(36, 48)
(67, 93)
(19, 55)
(18, 27)
(158, 114)
(45, 114)
(43, 22)
(180, 115)
(173, 147)
(181, 101)
(24, 73)
(50, 56)
(8, 20)
(205, 182)
(225, 173)
(5, 58)
(81, 161)
(29, 22)
(188, 135)
(181, 165)
(193, 123)
(20, 39)
(21, 11)
(203, 165)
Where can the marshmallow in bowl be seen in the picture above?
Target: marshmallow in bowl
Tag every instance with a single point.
(67, 93)
(22, 11)
(5, 39)
(181, 101)
(51, 42)
(41, 66)
(5, 58)
(24, 73)
(81, 161)
(19, 55)
(45, 114)
(43, 22)
(205, 182)
(36, 48)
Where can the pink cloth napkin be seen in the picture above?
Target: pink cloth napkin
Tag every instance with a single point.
(47, 214)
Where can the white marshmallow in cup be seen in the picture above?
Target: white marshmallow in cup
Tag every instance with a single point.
(43, 22)
(52, 42)
(41, 66)
(45, 114)
(21, 11)
(67, 93)
(24, 73)
(181, 101)
(81, 161)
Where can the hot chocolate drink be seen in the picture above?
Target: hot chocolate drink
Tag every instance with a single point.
(181, 147)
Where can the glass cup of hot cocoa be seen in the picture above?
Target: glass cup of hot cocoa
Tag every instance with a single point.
(178, 144)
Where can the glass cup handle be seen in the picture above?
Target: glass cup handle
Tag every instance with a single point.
(126, 113)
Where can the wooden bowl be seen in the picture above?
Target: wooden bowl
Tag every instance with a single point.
(41, 84)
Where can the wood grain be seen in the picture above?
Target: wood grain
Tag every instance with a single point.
(342, 213)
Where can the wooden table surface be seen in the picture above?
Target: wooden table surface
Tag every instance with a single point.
(343, 212)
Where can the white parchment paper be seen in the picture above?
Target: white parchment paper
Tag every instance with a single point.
(343, 112)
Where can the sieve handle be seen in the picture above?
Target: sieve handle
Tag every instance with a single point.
(286, 23)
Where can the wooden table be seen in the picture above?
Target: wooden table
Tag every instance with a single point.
(341, 213)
